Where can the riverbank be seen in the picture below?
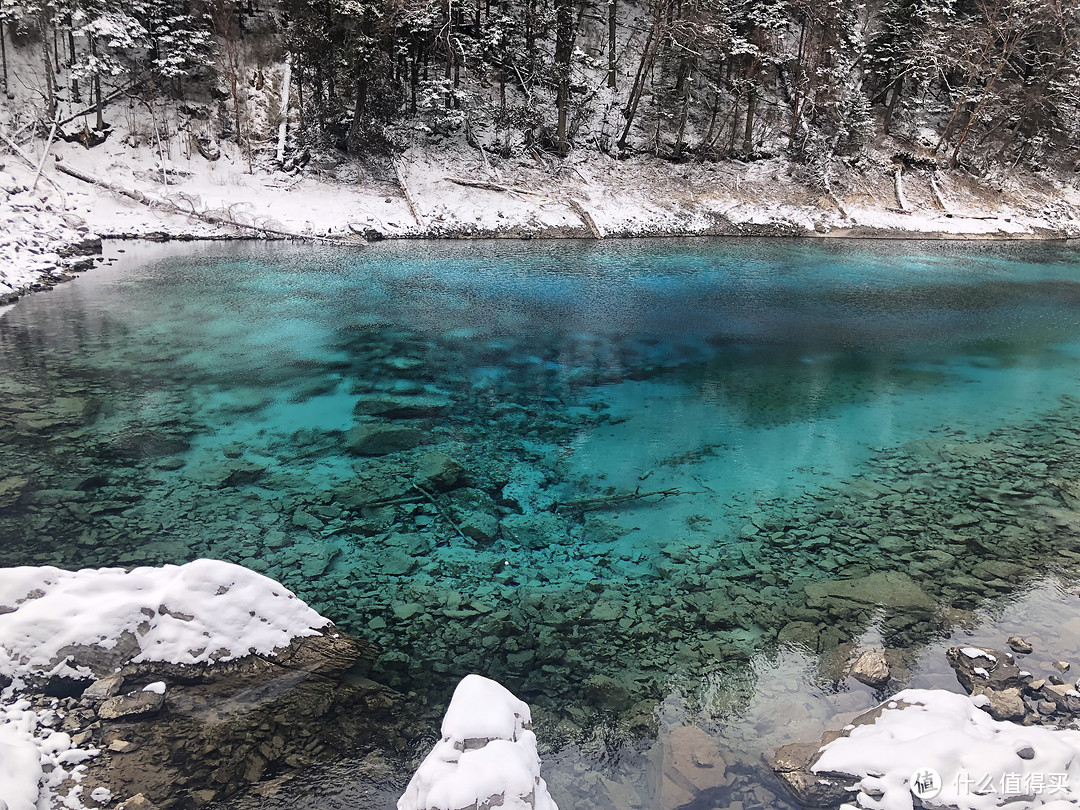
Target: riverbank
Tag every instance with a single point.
(52, 219)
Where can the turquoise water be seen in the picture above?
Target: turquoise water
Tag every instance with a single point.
(805, 411)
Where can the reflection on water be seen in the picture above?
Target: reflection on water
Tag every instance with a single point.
(450, 450)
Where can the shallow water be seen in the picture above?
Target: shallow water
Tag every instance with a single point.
(807, 412)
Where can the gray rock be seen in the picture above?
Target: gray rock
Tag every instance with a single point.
(792, 765)
(1019, 645)
(11, 489)
(871, 668)
(436, 470)
(402, 406)
(1005, 704)
(397, 563)
(889, 589)
(983, 670)
(133, 704)
(377, 439)
(306, 520)
(103, 688)
(479, 526)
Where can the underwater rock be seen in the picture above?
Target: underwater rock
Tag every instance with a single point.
(605, 691)
(886, 588)
(683, 766)
(377, 439)
(436, 470)
(486, 757)
(804, 633)
(535, 531)
(871, 668)
(479, 526)
(399, 406)
(11, 489)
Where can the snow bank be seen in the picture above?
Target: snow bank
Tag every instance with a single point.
(206, 610)
(487, 755)
(37, 763)
(982, 763)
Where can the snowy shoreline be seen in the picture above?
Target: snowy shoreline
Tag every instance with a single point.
(51, 224)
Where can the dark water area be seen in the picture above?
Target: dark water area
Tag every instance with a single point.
(449, 449)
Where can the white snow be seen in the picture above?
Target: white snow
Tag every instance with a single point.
(202, 611)
(975, 652)
(487, 755)
(35, 761)
(976, 756)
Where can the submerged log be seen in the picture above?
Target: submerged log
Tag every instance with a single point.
(616, 499)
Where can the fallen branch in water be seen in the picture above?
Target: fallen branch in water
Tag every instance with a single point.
(616, 498)
(442, 512)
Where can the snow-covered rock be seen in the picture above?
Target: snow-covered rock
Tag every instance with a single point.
(487, 755)
(979, 762)
(82, 624)
(182, 680)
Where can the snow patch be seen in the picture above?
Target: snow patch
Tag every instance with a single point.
(487, 755)
(975, 755)
(206, 610)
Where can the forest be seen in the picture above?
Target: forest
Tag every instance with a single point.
(975, 84)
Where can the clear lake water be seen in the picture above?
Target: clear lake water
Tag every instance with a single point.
(621, 478)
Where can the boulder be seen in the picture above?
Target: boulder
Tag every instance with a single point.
(1019, 645)
(11, 489)
(134, 704)
(436, 470)
(684, 766)
(885, 588)
(402, 406)
(793, 764)
(871, 668)
(377, 439)
(983, 670)
(479, 526)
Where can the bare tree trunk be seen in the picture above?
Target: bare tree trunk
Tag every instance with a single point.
(50, 77)
(894, 101)
(638, 88)
(283, 111)
(797, 87)
(3, 53)
(751, 110)
(564, 43)
(611, 56)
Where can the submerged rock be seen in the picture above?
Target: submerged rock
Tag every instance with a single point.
(684, 765)
(377, 439)
(871, 668)
(402, 406)
(436, 470)
(886, 588)
(11, 489)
